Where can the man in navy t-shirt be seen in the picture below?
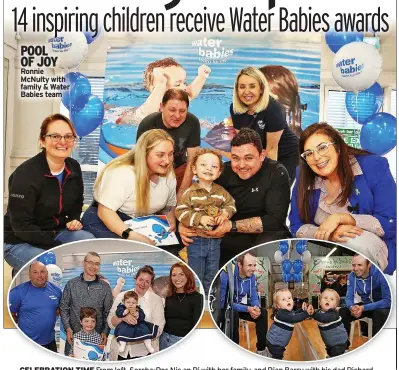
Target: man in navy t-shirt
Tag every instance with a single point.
(34, 306)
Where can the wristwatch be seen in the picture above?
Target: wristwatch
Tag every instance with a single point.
(233, 227)
(125, 234)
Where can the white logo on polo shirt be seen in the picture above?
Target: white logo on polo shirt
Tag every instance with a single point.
(53, 297)
(254, 189)
(261, 124)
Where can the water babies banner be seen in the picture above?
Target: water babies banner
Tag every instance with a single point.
(205, 67)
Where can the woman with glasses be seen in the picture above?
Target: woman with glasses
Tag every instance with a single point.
(254, 107)
(152, 306)
(138, 183)
(344, 195)
(45, 197)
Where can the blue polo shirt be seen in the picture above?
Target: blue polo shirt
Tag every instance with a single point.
(36, 309)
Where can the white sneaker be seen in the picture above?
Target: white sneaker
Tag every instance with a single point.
(264, 353)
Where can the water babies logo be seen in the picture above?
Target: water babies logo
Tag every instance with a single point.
(126, 267)
(59, 45)
(349, 67)
(212, 51)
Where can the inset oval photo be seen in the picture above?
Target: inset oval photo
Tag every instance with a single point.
(106, 300)
(300, 300)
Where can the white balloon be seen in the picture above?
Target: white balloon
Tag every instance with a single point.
(54, 274)
(306, 256)
(278, 256)
(356, 66)
(69, 47)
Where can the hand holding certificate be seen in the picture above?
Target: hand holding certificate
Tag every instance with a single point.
(155, 227)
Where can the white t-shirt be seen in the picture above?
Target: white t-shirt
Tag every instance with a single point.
(117, 191)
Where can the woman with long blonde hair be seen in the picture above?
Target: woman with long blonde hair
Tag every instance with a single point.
(138, 183)
(254, 107)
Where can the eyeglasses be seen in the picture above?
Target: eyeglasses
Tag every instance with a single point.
(56, 138)
(92, 264)
(321, 149)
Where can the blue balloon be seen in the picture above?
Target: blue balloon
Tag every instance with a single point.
(90, 36)
(80, 92)
(366, 103)
(283, 246)
(89, 117)
(301, 246)
(286, 266)
(70, 79)
(298, 277)
(47, 258)
(335, 40)
(378, 134)
(286, 278)
(297, 266)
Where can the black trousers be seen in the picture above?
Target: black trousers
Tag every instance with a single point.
(52, 346)
(261, 327)
(378, 316)
(290, 163)
(337, 350)
(276, 351)
(236, 243)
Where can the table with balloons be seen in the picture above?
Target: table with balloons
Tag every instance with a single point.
(356, 67)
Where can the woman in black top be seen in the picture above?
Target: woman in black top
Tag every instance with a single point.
(253, 107)
(46, 197)
(183, 305)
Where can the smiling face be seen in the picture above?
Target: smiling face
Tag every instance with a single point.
(284, 300)
(248, 266)
(325, 165)
(207, 167)
(143, 282)
(174, 113)
(91, 265)
(246, 161)
(361, 266)
(179, 279)
(130, 303)
(329, 300)
(160, 158)
(88, 324)
(61, 149)
(248, 90)
(38, 274)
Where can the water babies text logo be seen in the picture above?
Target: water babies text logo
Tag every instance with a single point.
(126, 267)
(349, 67)
(212, 50)
(59, 45)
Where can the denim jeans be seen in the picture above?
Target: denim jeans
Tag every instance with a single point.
(203, 257)
(166, 340)
(17, 255)
(93, 224)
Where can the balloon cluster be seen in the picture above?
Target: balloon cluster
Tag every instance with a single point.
(86, 110)
(356, 67)
(54, 272)
(292, 270)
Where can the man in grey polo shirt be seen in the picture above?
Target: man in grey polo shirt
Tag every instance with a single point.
(86, 290)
